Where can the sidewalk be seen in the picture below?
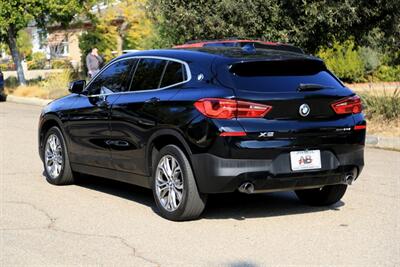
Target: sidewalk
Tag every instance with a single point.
(392, 143)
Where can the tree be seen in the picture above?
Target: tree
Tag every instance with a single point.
(24, 44)
(16, 14)
(122, 25)
(306, 23)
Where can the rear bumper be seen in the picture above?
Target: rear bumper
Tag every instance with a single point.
(216, 175)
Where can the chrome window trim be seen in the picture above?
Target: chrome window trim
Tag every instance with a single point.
(187, 68)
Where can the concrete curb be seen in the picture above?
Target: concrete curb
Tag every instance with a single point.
(28, 100)
(383, 142)
(371, 140)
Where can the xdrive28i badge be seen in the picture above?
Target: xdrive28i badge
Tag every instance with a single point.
(304, 110)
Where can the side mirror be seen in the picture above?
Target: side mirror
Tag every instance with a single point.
(77, 87)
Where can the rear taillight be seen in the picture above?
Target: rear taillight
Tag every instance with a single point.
(360, 127)
(349, 105)
(220, 108)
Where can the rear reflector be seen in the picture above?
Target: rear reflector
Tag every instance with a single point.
(233, 134)
(360, 127)
(349, 105)
(221, 108)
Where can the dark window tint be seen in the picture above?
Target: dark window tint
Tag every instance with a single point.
(174, 73)
(280, 76)
(148, 74)
(114, 79)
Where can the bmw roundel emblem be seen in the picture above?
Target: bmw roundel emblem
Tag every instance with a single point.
(304, 110)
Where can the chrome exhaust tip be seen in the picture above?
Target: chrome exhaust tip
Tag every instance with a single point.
(351, 176)
(247, 188)
(349, 179)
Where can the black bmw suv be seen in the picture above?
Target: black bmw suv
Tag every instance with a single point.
(191, 122)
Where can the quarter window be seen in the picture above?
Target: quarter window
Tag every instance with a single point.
(114, 78)
(148, 74)
(174, 73)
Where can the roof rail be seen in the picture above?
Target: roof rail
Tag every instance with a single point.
(223, 39)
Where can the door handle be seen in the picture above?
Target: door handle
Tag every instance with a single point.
(152, 100)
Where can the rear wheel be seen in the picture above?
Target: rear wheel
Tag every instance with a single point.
(55, 158)
(323, 196)
(174, 186)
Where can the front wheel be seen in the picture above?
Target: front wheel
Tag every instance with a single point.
(324, 196)
(55, 158)
(174, 186)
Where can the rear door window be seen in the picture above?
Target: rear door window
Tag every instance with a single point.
(148, 74)
(174, 73)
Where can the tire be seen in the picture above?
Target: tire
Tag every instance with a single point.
(65, 175)
(323, 196)
(191, 203)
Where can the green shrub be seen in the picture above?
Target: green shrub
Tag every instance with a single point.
(60, 64)
(387, 73)
(38, 61)
(344, 61)
(3, 66)
(11, 82)
(370, 58)
(382, 105)
(56, 84)
(7, 66)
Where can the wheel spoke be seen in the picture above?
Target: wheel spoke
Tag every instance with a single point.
(174, 166)
(169, 203)
(57, 169)
(162, 167)
(53, 143)
(52, 169)
(163, 192)
(168, 167)
(176, 173)
(174, 205)
(178, 195)
(162, 184)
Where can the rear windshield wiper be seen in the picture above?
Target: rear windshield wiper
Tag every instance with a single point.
(312, 87)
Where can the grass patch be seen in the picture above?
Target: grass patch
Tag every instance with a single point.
(54, 86)
(382, 111)
(381, 105)
(29, 91)
(376, 126)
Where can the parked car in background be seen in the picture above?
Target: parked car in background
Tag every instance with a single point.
(129, 51)
(2, 94)
(242, 43)
(1, 80)
(192, 122)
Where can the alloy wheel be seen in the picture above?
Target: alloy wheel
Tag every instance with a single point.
(53, 156)
(169, 183)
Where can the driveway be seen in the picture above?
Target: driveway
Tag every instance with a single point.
(100, 222)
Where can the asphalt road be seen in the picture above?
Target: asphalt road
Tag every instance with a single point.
(99, 222)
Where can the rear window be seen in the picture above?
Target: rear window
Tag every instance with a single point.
(280, 75)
